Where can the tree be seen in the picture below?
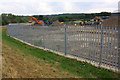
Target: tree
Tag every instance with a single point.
(61, 19)
(10, 18)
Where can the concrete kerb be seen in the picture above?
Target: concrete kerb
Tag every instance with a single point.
(70, 56)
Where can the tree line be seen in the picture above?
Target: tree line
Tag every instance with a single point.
(11, 18)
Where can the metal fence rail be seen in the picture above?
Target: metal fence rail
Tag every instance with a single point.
(95, 43)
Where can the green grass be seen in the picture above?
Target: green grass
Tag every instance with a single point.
(73, 66)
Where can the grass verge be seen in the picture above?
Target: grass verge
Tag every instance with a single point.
(73, 66)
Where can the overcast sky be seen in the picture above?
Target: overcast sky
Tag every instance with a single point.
(43, 7)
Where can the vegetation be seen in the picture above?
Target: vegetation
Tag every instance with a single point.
(10, 18)
(73, 66)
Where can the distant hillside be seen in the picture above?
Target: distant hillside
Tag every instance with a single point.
(10, 18)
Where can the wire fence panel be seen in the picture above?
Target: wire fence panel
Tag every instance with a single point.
(95, 43)
(87, 44)
(45, 36)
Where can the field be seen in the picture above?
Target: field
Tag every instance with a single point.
(23, 61)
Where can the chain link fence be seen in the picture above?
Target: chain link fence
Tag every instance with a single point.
(97, 44)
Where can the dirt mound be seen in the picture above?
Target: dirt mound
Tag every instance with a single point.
(57, 23)
(113, 20)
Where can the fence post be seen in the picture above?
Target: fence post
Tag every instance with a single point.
(65, 39)
(118, 37)
(118, 48)
(101, 44)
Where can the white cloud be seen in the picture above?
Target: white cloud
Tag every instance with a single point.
(97, 10)
(30, 7)
(44, 7)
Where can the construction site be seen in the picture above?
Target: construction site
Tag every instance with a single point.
(69, 39)
(94, 41)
